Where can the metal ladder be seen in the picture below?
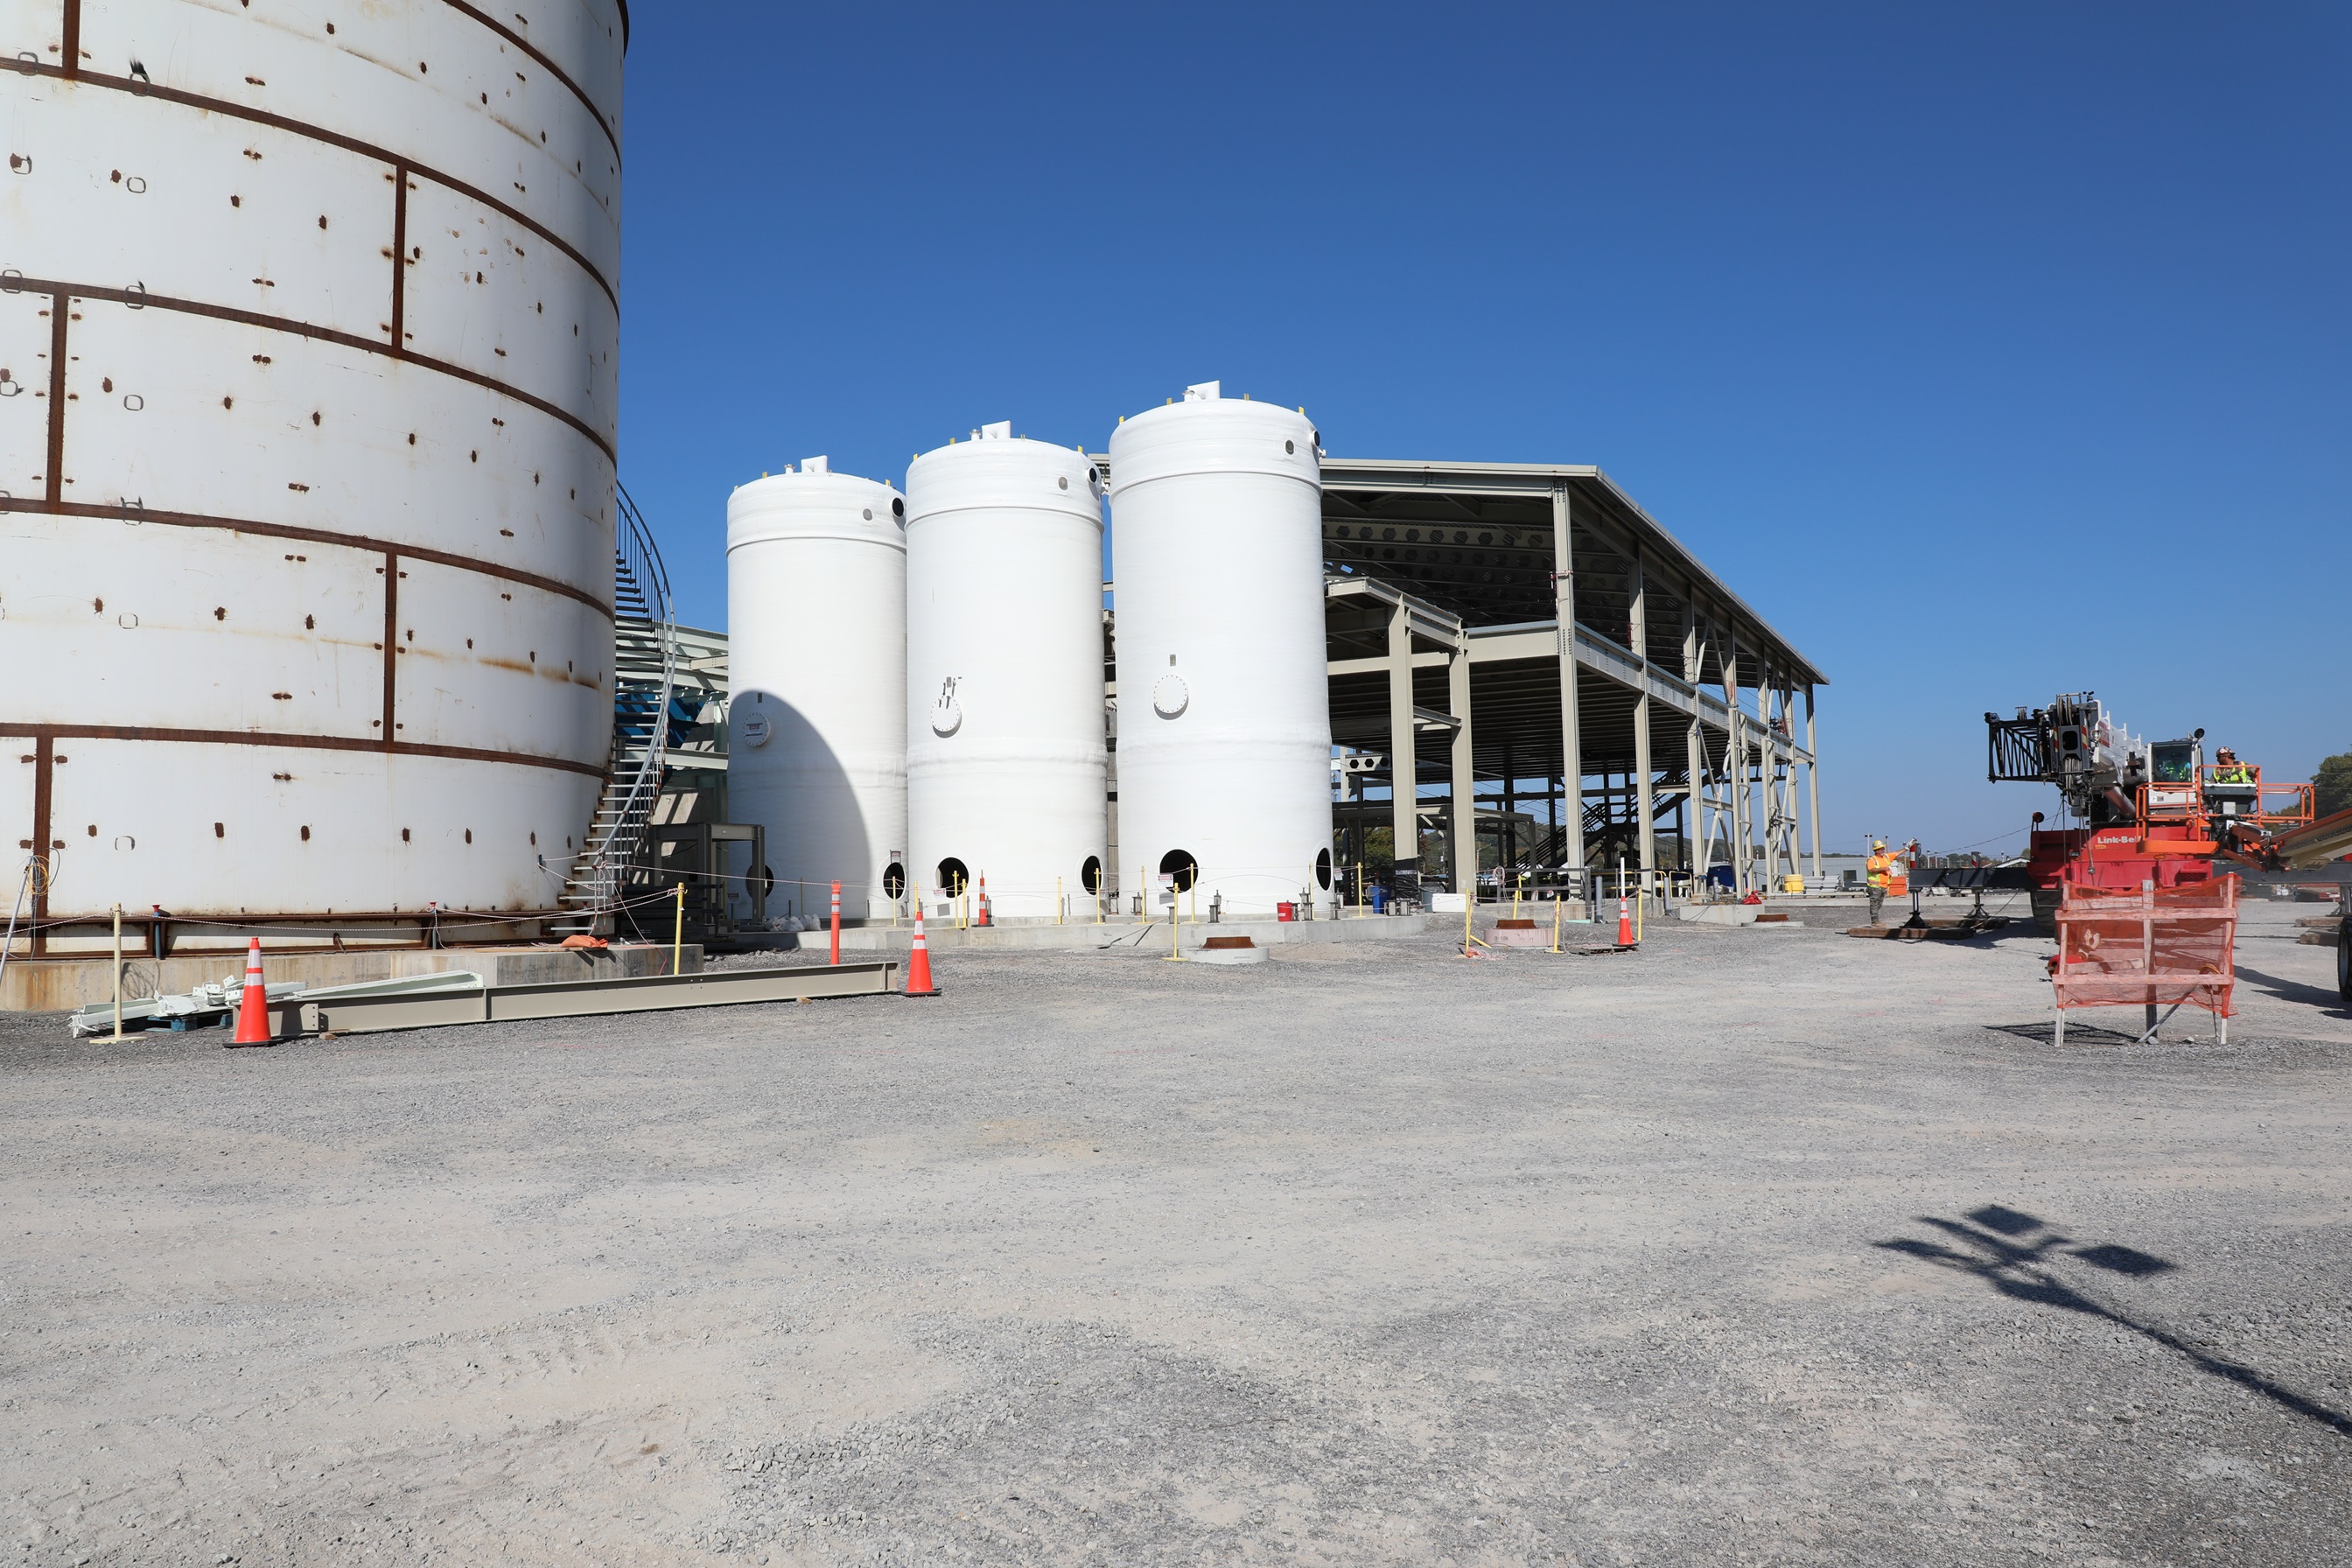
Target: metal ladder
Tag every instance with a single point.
(644, 689)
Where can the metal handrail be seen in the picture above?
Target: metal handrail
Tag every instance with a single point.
(636, 557)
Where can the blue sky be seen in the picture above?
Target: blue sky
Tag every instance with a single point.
(1990, 352)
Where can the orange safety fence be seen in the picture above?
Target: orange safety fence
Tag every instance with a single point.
(2149, 947)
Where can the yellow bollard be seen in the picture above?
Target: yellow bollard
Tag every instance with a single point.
(677, 932)
(1057, 900)
(1555, 921)
(1469, 937)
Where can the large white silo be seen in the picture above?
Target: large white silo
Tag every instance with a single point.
(307, 423)
(1004, 695)
(816, 662)
(1224, 728)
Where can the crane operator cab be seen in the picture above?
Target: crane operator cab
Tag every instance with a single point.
(2171, 792)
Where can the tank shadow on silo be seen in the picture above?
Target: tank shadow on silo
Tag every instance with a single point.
(808, 803)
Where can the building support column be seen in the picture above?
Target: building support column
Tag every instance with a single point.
(1572, 732)
(1761, 802)
(1644, 792)
(1780, 781)
(1767, 759)
(1767, 782)
(1465, 789)
(1789, 812)
(1404, 773)
(1814, 782)
(1507, 851)
(1784, 785)
(1693, 823)
(1735, 768)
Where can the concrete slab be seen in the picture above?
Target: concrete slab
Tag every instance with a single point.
(1047, 937)
(1719, 914)
(64, 985)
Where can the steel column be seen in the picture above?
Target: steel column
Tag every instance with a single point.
(1735, 762)
(1405, 771)
(1813, 780)
(1571, 735)
(1792, 826)
(1463, 792)
(1645, 798)
(1694, 751)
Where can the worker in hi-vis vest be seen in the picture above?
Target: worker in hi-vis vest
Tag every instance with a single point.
(2227, 768)
(1881, 869)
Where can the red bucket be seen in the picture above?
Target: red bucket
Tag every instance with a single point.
(1285, 911)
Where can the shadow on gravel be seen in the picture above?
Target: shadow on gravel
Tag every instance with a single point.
(2046, 1033)
(2012, 1252)
(2287, 990)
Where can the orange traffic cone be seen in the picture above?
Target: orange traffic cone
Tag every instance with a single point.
(982, 901)
(1624, 922)
(836, 922)
(918, 961)
(253, 1002)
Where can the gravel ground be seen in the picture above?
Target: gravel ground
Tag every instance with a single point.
(1762, 1246)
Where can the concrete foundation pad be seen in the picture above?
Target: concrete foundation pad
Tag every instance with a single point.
(1144, 935)
(1719, 914)
(61, 985)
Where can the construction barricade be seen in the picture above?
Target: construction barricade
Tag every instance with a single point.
(2151, 948)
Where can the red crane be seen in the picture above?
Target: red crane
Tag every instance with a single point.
(2134, 812)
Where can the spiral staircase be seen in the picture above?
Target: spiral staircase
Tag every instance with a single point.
(650, 716)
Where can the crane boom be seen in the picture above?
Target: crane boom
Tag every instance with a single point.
(2313, 844)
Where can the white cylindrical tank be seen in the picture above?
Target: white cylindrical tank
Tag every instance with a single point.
(816, 662)
(1004, 692)
(307, 420)
(1224, 727)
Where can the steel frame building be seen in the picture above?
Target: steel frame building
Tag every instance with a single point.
(1669, 699)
